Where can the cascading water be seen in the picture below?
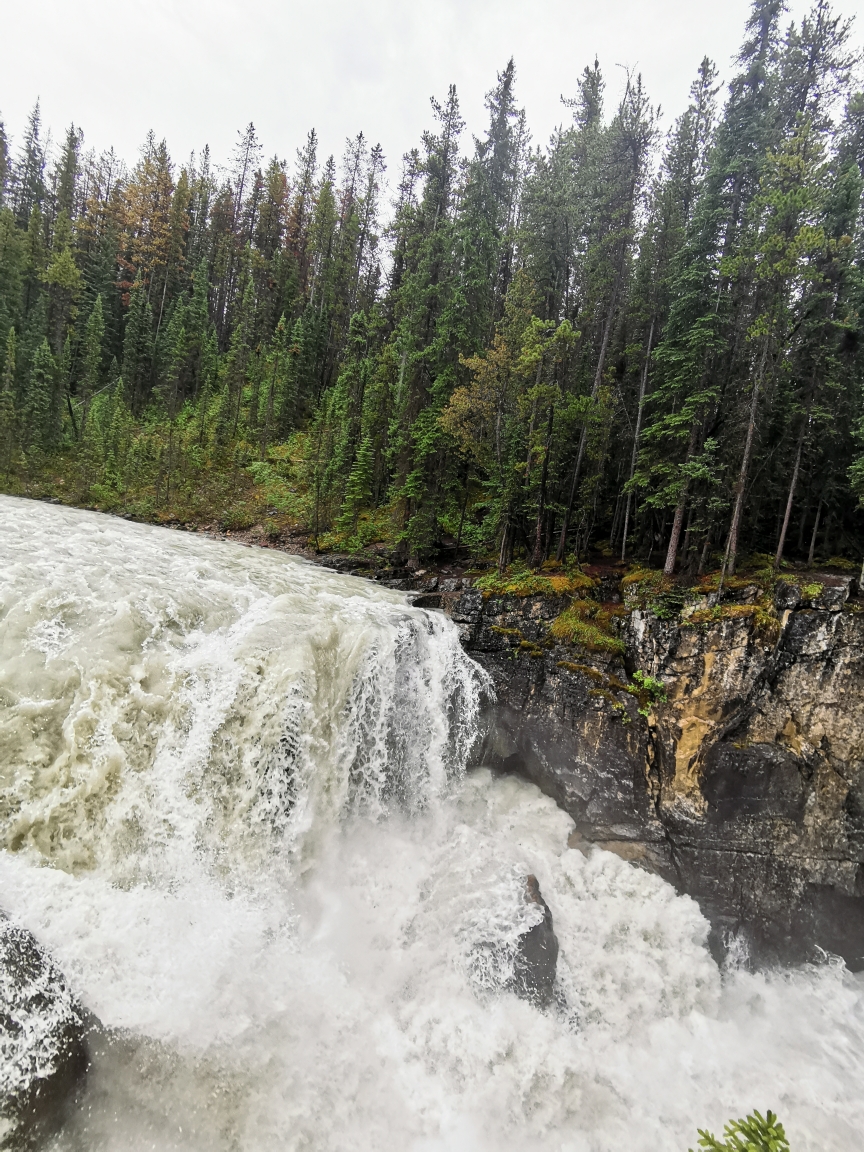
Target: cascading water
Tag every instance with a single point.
(234, 806)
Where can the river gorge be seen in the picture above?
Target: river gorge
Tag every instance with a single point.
(255, 812)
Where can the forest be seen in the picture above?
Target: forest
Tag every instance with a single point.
(633, 340)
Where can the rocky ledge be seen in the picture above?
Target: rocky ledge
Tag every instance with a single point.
(744, 787)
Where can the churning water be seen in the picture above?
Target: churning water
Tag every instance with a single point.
(234, 804)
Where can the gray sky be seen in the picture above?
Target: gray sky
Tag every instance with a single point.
(197, 70)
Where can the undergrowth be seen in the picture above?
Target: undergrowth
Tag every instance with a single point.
(521, 581)
(588, 624)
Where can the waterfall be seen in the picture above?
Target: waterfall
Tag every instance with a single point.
(238, 804)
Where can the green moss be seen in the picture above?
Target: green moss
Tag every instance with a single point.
(523, 582)
(571, 627)
(843, 564)
(584, 669)
(812, 591)
(762, 614)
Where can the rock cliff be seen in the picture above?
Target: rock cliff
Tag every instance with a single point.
(744, 786)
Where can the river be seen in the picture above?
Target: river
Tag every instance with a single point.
(238, 804)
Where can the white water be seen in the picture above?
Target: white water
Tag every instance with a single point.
(233, 805)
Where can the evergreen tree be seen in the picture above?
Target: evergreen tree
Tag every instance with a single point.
(90, 380)
(28, 174)
(7, 405)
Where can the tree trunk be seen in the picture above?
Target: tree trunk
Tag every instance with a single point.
(643, 385)
(680, 507)
(538, 556)
(792, 486)
(812, 551)
(672, 550)
(741, 486)
(583, 439)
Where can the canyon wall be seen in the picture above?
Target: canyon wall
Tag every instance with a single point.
(744, 787)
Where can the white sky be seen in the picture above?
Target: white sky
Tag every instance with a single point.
(197, 70)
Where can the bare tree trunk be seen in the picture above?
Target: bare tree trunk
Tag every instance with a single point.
(741, 487)
(672, 550)
(505, 539)
(812, 551)
(643, 385)
(790, 500)
(538, 557)
(680, 508)
(703, 559)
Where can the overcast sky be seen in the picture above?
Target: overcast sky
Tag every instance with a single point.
(197, 70)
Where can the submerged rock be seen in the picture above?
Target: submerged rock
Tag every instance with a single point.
(537, 954)
(42, 1049)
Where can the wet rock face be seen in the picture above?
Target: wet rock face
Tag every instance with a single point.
(537, 956)
(42, 1050)
(745, 788)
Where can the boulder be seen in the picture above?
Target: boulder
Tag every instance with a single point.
(537, 954)
(42, 1040)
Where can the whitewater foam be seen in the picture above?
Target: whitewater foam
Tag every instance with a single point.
(234, 806)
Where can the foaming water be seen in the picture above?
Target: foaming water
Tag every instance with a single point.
(233, 803)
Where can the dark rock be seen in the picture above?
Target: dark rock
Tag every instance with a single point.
(786, 595)
(428, 600)
(537, 955)
(42, 1047)
(469, 607)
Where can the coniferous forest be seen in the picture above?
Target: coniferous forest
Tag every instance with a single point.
(636, 339)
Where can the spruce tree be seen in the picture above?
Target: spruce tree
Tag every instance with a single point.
(7, 405)
(90, 379)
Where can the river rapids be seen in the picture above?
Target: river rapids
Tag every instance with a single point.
(238, 804)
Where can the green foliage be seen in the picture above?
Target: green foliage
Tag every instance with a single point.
(755, 1134)
(518, 581)
(649, 690)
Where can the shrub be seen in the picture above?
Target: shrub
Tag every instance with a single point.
(755, 1134)
(649, 690)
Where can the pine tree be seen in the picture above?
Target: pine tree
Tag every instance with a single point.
(4, 163)
(39, 424)
(90, 379)
(137, 363)
(358, 489)
(7, 405)
(28, 174)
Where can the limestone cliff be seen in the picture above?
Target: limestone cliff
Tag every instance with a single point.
(745, 787)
